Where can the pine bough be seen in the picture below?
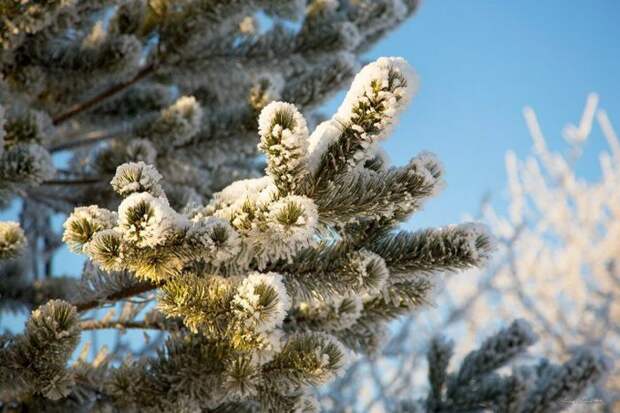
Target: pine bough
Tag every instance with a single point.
(476, 386)
(265, 285)
(279, 277)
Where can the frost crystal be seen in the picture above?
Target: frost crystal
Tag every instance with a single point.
(136, 177)
(83, 223)
(141, 150)
(370, 269)
(219, 240)
(389, 80)
(263, 301)
(295, 218)
(292, 223)
(259, 190)
(335, 313)
(29, 163)
(284, 139)
(148, 221)
(474, 233)
(12, 240)
(283, 120)
(105, 249)
(341, 350)
(325, 134)
(430, 167)
(270, 343)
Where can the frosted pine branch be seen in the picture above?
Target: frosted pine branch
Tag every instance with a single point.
(261, 275)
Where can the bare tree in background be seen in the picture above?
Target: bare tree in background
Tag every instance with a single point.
(558, 265)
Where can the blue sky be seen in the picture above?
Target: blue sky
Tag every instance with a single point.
(480, 62)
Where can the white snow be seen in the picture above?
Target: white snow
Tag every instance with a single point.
(249, 300)
(155, 227)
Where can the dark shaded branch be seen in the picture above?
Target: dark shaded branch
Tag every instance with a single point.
(81, 181)
(94, 101)
(119, 295)
(89, 139)
(120, 325)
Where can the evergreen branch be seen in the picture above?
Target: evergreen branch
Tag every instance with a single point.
(494, 353)
(17, 293)
(98, 99)
(88, 139)
(69, 182)
(391, 194)
(557, 384)
(120, 325)
(447, 249)
(128, 292)
(34, 362)
(439, 354)
(359, 271)
(477, 386)
(259, 287)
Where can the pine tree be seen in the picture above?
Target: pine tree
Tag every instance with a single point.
(138, 120)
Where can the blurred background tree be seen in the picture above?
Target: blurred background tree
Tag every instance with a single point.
(557, 266)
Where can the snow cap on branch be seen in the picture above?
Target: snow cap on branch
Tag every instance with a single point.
(378, 94)
(105, 249)
(218, 239)
(284, 120)
(294, 218)
(284, 139)
(12, 240)
(26, 163)
(324, 135)
(385, 86)
(176, 125)
(262, 301)
(137, 177)
(148, 221)
(83, 223)
(258, 190)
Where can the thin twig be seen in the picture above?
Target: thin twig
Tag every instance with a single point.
(81, 181)
(96, 100)
(120, 325)
(88, 139)
(118, 295)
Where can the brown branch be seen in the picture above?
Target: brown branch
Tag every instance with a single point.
(94, 101)
(82, 181)
(89, 139)
(118, 295)
(97, 136)
(120, 325)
